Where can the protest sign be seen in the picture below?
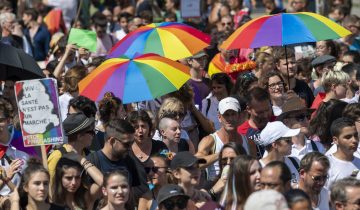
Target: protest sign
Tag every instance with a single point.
(39, 112)
(190, 8)
(83, 38)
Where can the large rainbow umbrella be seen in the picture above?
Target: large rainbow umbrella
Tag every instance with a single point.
(144, 77)
(284, 29)
(168, 39)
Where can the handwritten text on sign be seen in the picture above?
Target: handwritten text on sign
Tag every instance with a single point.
(38, 111)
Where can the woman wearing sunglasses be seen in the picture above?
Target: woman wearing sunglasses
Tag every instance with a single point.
(226, 156)
(156, 170)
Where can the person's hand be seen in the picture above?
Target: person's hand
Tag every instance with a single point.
(14, 196)
(83, 52)
(70, 48)
(290, 94)
(219, 185)
(14, 168)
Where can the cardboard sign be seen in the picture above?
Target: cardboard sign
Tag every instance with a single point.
(190, 8)
(39, 112)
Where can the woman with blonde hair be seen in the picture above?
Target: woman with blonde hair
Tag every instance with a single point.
(174, 109)
(264, 64)
(70, 87)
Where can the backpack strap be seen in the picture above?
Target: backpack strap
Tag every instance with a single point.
(294, 162)
(313, 145)
(208, 106)
(62, 150)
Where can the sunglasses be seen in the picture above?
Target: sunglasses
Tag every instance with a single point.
(180, 202)
(126, 144)
(153, 169)
(320, 178)
(173, 114)
(224, 161)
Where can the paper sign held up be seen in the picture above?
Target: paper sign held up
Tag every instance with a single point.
(83, 38)
(39, 112)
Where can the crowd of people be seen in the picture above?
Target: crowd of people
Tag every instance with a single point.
(282, 135)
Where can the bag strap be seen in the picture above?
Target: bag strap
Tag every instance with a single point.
(294, 162)
(314, 146)
(208, 106)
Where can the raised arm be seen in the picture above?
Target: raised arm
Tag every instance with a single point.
(205, 151)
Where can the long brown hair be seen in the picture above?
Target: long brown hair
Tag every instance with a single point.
(238, 186)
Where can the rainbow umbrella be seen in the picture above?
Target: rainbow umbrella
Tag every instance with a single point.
(284, 29)
(217, 65)
(168, 39)
(142, 78)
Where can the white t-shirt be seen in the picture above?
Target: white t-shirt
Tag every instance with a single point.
(64, 100)
(294, 172)
(300, 153)
(324, 200)
(340, 169)
(212, 113)
(333, 149)
(276, 110)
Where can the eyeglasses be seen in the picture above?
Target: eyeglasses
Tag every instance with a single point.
(225, 161)
(320, 178)
(269, 185)
(301, 117)
(274, 85)
(153, 169)
(180, 202)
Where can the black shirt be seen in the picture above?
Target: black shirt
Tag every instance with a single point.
(135, 170)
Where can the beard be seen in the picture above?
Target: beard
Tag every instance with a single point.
(119, 154)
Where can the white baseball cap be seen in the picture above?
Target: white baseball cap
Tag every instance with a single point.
(229, 103)
(274, 131)
(266, 199)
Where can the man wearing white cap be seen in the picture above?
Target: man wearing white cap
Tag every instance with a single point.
(210, 146)
(276, 138)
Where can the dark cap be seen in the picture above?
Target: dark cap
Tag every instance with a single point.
(184, 159)
(293, 105)
(322, 60)
(77, 122)
(169, 191)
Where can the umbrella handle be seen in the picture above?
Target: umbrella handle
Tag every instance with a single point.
(287, 67)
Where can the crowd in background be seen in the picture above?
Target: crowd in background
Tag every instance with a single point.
(283, 135)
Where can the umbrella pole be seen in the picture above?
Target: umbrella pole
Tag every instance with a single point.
(287, 68)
